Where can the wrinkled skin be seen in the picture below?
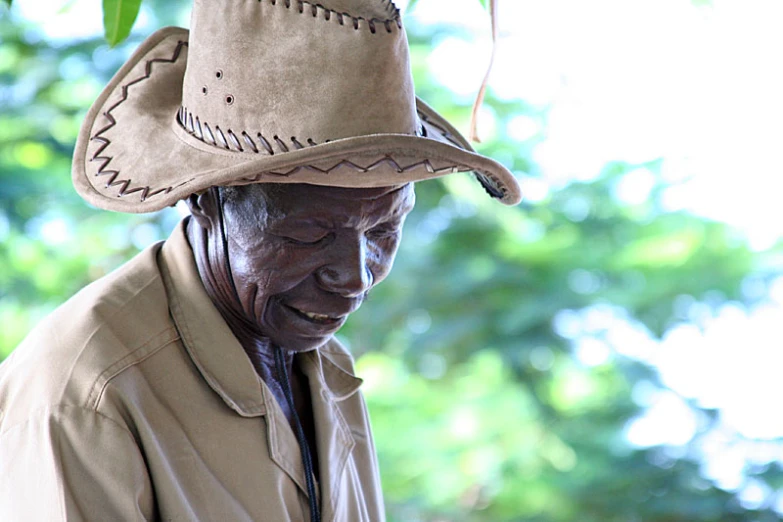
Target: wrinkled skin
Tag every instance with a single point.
(301, 258)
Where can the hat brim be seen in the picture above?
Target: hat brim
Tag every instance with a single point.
(132, 155)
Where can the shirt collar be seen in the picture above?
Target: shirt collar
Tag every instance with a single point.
(215, 351)
(333, 368)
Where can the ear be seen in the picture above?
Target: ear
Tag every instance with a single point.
(204, 208)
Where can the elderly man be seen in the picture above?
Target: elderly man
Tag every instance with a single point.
(201, 381)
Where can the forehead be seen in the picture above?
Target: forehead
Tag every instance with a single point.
(337, 205)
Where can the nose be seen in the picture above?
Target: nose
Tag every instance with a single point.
(347, 272)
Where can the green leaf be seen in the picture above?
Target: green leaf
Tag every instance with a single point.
(118, 19)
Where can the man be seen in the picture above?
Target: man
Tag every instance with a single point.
(201, 381)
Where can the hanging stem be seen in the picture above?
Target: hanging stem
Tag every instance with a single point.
(473, 134)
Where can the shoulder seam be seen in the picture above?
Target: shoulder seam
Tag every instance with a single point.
(58, 408)
(149, 348)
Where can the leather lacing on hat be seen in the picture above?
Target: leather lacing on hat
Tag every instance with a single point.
(491, 185)
(112, 181)
(202, 131)
(341, 17)
(113, 175)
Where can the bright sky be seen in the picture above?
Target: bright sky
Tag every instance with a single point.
(699, 87)
(634, 80)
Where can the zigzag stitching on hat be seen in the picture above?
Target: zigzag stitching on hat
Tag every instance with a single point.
(192, 125)
(386, 160)
(201, 130)
(315, 9)
(146, 192)
(497, 189)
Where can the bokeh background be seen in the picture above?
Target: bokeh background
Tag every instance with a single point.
(607, 351)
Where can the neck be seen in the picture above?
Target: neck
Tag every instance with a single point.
(209, 251)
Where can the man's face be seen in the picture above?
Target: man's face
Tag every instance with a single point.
(303, 257)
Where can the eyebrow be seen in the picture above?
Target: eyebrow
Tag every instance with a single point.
(302, 223)
(295, 224)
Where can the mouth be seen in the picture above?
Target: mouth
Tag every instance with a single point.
(317, 318)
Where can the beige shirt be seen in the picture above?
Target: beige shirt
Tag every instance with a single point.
(134, 401)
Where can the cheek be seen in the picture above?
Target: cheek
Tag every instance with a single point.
(252, 268)
(267, 269)
(382, 258)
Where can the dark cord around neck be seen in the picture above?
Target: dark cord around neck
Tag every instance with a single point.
(226, 260)
(315, 513)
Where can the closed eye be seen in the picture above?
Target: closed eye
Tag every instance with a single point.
(383, 231)
(305, 241)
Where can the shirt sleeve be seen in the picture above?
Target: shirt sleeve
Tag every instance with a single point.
(72, 464)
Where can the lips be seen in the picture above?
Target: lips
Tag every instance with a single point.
(315, 317)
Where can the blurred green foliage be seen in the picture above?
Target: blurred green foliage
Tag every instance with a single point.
(118, 19)
(481, 411)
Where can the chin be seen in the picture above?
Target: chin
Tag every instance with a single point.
(298, 344)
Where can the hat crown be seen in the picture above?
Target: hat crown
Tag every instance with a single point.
(293, 72)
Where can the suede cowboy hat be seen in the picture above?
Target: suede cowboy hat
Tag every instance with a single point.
(276, 91)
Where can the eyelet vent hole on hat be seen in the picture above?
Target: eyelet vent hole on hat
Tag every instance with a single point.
(229, 99)
(219, 74)
(204, 90)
